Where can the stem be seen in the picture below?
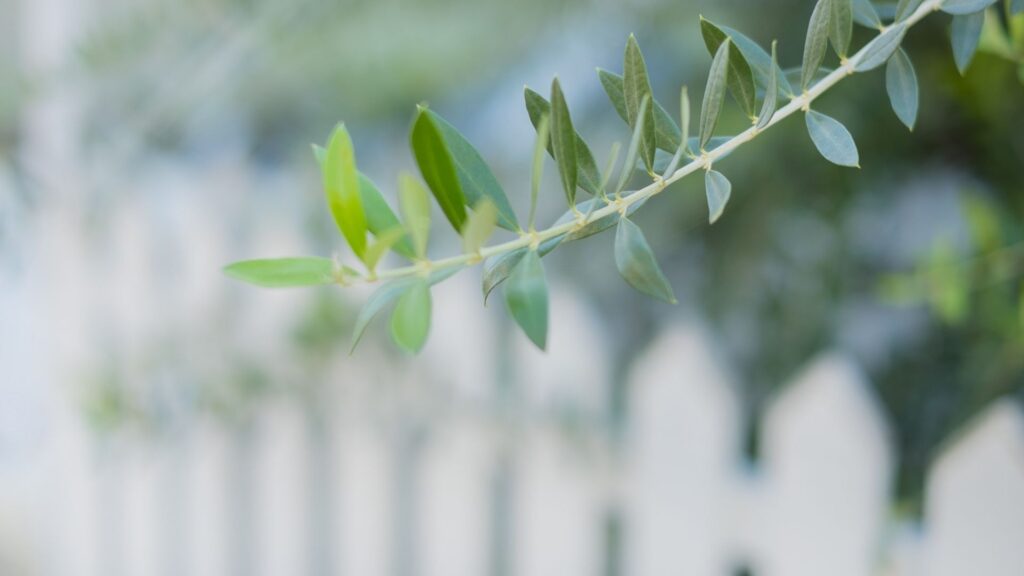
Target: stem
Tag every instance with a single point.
(796, 104)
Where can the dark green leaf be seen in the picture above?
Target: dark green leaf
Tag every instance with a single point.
(666, 133)
(714, 94)
(901, 85)
(965, 36)
(832, 139)
(771, 95)
(588, 176)
(740, 77)
(563, 141)
(864, 13)
(526, 296)
(760, 62)
(960, 7)
(438, 168)
(341, 186)
(816, 42)
(410, 322)
(637, 264)
(841, 26)
(283, 272)
(477, 180)
(718, 190)
(635, 88)
(387, 294)
(878, 51)
(415, 207)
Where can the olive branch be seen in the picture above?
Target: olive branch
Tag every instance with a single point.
(475, 204)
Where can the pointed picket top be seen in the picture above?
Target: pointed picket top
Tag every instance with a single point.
(974, 503)
(825, 441)
(684, 446)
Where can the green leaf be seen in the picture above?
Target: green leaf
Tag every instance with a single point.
(588, 176)
(771, 95)
(634, 147)
(438, 168)
(879, 50)
(543, 131)
(760, 62)
(832, 139)
(635, 88)
(376, 250)
(595, 227)
(864, 13)
(283, 272)
(901, 84)
(816, 42)
(380, 219)
(477, 180)
(341, 186)
(637, 264)
(526, 296)
(563, 140)
(841, 26)
(905, 8)
(684, 116)
(740, 76)
(666, 133)
(415, 207)
(966, 33)
(714, 94)
(498, 268)
(410, 322)
(718, 190)
(960, 7)
(387, 294)
(480, 226)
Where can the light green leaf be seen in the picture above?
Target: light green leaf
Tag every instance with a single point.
(740, 76)
(960, 7)
(415, 208)
(760, 62)
(543, 132)
(438, 168)
(563, 141)
(965, 35)
(410, 321)
(480, 226)
(376, 250)
(387, 294)
(341, 186)
(283, 272)
(526, 296)
(771, 95)
(684, 116)
(588, 176)
(841, 26)
(634, 147)
(666, 133)
(718, 190)
(816, 42)
(864, 13)
(879, 50)
(832, 139)
(380, 219)
(637, 264)
(635, 88)
(714, 94)
(477, 180)
(905, 8)
(901, 85)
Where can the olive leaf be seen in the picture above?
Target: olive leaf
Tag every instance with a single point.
(714, 94)
(740, 76)
(526, 296)
(771, 96)
(478, 182)
(816, 42)
(666, 133)
(905, 8)
(387, 294)
(864, 13)
(410, 321)
(718, 190)
(634, 147)
(498, 268)
(637, 264)
(841, 26)
(832, 139)
(480, 226)
(415, 208)
(901, 85)
(563, 141)
(965, 35)
(341, 186)
(879, 50)
(377, 249)
(635, 88)
(438, 168)
(684, 117)
(760, 61)
(588, 176)
(961, 7)
(283, 272)
(543, 132)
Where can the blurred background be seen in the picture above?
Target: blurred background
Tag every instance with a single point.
(839, 390)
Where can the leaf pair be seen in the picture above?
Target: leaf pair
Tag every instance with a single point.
(410, 320)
